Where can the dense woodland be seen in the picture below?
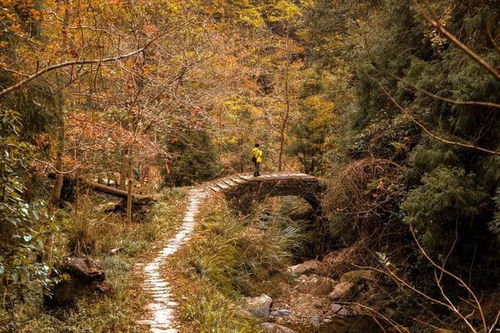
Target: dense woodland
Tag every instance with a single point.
(394, 103)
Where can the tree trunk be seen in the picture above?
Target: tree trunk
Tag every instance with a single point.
(123, 168)
(55, 194)
(129, 201)
(287, 105)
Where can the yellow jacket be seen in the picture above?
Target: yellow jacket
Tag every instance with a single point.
(257, 153)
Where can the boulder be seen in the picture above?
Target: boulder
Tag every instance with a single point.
(275, 328)
(340, 310)
(259, 306)
(281, 313)
(307, 267)
(342, 291)
(359, 276)
(85, 269)
(82, 276)
(315, 321)
(315, 285)
(336, 308)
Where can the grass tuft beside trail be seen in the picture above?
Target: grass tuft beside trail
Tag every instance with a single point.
(229, 258)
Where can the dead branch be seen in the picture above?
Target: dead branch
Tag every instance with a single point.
(375, 313)
(497, 317)
(53, 167)
(401, 282)
(114, 191)
(454, 276)
(348, 195)
(434, 21)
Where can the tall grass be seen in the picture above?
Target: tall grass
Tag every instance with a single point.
(232, 257)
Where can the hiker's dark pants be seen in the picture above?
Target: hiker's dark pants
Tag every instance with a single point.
(257, 169)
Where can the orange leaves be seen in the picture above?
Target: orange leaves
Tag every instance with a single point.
(149, 29)
(148, 69)
(97, 133)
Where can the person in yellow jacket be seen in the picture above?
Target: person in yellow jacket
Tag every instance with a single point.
(256, 159)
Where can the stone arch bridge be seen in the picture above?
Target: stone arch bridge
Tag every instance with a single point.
(242, 191)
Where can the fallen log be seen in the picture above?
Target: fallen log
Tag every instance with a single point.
(69, 184)
(116, 192)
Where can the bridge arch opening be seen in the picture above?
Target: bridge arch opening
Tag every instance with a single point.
(258, 195)
(255, 190)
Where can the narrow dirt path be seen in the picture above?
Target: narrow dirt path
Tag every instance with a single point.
(163, 307)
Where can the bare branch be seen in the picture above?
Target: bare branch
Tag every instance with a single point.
(458, 279)
(47, 69)
(376, 313)
(56, 170)
(495, 322)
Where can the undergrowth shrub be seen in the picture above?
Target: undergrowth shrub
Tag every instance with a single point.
(24, 225)
(246, 252)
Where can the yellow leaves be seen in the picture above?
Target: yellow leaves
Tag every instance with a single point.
(24, 4)
(233, 140)
(130, 62)
(233, 105)
(252, 17)
(322, 108)
(284, 11)
(148, 69)
(308, 3)
(174, 6)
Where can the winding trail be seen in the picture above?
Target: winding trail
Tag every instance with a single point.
(162, 308)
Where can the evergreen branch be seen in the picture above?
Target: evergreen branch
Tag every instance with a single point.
(428, 132)
(448, 100)
(51, 68)
(434, 21)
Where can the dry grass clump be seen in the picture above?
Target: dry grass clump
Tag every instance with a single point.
(360, 195)
(336, 263)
